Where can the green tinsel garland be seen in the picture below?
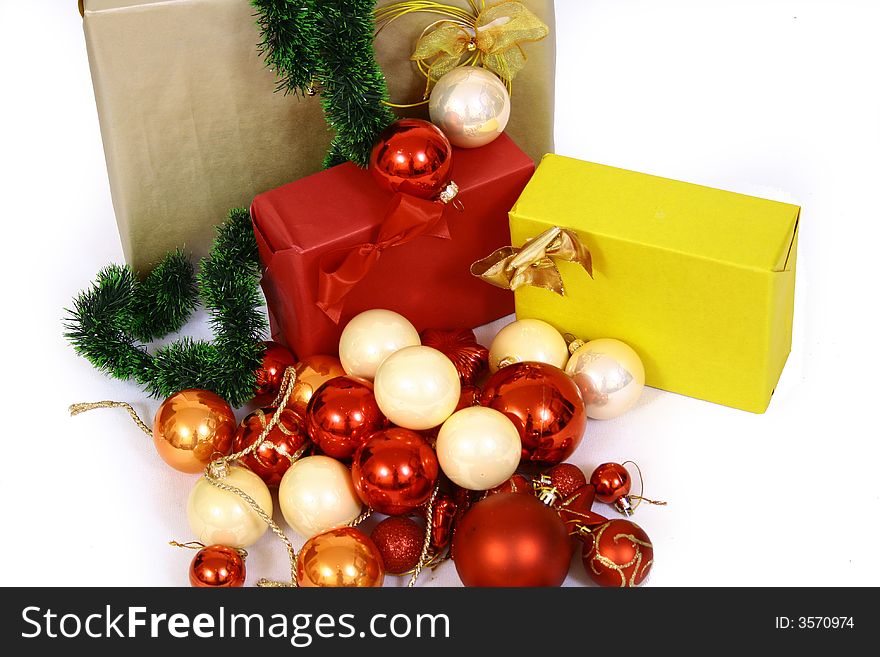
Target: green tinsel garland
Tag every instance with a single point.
(329, 43)
(110, 321)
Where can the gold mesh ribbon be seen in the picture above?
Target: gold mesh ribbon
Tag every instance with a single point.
(534, 263)
(494, 35)
(491, 37)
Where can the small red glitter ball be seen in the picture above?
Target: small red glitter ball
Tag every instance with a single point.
(400, 540)
(566, 478)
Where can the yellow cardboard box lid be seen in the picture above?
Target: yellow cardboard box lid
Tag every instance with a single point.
(699, 221)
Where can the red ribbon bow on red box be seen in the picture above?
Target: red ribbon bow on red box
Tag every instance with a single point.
(407, 218)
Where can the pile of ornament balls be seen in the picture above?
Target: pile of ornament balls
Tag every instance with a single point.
(400, 422)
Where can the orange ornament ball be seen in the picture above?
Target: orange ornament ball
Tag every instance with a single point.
(340, 557)
(311, 374)
(217, 566)
(193, 427)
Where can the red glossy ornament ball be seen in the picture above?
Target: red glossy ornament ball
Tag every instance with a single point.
(394, 471)
(511, 540)
(611, 481)
(461, 347)
(217, 566)
(342, 414)
(545, 405)
(400, 541)
(619, 554)
(566, 478)
(414, 157)
(271, 459)
(276, 359)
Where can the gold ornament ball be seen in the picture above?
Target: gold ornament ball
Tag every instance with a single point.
(193, 427)
(417, 388)
(470, 105)
(221, 517)
(528, 340)
(317, 494)
(370, 337)
(311, 374)
(478, 448)
(610, 375)
(340, 557)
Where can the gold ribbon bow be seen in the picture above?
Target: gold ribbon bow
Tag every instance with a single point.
(492, 37)
(533, 264)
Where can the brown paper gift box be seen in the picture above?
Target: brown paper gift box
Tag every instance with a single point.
(192, 125)
(190, 120)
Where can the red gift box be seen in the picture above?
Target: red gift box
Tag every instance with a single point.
(309, 225)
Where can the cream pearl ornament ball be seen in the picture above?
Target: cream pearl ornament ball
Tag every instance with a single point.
(317, 494)
(370, 337)
(610, 375)
(470, 105)
(527, 340)
(417, 388)
(219, 517)
(478, 448)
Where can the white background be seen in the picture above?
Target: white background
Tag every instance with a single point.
(774, 98)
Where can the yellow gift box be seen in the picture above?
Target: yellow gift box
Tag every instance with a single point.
(699, 281)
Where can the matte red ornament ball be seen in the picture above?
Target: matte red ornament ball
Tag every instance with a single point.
(611, 481)
(511, 539)
(566, 478)
(217, 566)
(276, 359)
(272, 458)
(619, 554)
(400, 540)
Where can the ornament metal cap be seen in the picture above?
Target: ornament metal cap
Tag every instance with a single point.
(450, 194)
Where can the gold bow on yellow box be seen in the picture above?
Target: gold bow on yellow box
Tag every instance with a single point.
(491, 36)
(533, 263)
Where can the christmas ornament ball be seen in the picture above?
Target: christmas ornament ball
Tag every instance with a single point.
(511, 539)
(566, 478)
(276, 359)
(340, 557)
(611, 481)
(471, 105)
(412, 156)
(193, 427)
(618, 553)
(478, 448)
(272, 458)
(370, 337)
(527, 340)
(221, 517)
(461, 347)
(317, 494)
(342, 414)
(610, 375)
(417, 387)
(311, 373)
(545, 406)
(394, 471)
(399, 540)
(217, 566)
